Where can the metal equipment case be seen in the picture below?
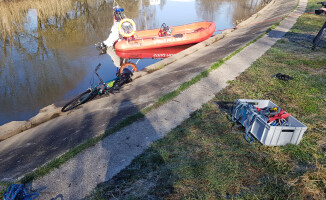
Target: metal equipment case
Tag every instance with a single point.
(274, 135)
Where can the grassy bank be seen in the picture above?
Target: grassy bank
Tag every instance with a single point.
(203, 159)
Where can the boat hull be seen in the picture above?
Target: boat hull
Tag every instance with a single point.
(152, 53)
(181, 35)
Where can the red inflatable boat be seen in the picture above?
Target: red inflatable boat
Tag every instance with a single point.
(167, 36)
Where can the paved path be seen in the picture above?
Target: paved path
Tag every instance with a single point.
(80, 175)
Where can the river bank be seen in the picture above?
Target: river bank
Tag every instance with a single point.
(175, 67)
(142, 84)
(84, 171)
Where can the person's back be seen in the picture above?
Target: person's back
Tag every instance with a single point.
(114, 35)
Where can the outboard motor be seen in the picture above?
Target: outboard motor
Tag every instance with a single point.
(165, 30)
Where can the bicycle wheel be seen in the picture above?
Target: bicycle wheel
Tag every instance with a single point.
(80, 99)
(319, 36)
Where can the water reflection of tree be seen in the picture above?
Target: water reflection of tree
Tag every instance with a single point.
(207, 8)
(244, 9)
(241, 9)
(147, 16)
(162, 4)
(73, 20)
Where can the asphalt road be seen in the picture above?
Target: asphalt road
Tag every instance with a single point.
(29, 150)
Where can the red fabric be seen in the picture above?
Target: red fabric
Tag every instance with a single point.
(281, 115)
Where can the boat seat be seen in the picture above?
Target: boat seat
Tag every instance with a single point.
(198, 29)
(179, 35)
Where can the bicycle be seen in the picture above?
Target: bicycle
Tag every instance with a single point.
(108, 87)
(322, 31)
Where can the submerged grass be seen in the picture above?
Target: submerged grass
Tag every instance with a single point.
(203, 159)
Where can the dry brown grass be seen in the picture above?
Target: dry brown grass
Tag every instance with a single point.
(13, 13)
(312, 182)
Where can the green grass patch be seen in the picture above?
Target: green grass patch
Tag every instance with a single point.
(203, 159)
(3, 188)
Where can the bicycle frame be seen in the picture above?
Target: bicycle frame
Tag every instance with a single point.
(104, 87)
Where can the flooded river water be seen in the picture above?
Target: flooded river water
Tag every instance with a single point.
(47, 52)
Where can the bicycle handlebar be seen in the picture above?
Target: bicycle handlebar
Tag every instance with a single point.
(97, 67)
